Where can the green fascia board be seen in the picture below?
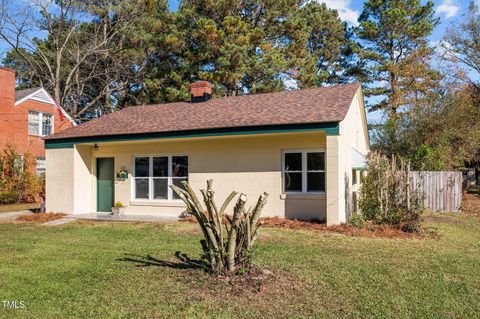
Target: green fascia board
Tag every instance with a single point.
(330, 128)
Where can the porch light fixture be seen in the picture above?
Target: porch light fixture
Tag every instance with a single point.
(95, 147)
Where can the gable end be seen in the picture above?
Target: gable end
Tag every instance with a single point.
(41, 95)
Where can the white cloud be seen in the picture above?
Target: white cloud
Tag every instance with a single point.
(344, 9)
(449, 8)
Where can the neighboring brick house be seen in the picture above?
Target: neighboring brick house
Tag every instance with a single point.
(26, 116)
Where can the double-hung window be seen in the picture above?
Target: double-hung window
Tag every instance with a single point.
(41, 167)
(33, 123)
(154, 175)
(47, 124)
(40, 123)
(304, 171)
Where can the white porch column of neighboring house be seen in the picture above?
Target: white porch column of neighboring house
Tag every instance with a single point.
(335, 184)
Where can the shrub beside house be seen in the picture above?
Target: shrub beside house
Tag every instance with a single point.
(18, 179)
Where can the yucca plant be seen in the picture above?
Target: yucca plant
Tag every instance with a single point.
(227, 240)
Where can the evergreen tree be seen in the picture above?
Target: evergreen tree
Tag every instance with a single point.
(320, 45)
(252, 46)
(395, 53)
(137, 51)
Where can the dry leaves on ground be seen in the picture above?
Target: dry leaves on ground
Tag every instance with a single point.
(471, 204)
(371, 230)
(40, 217)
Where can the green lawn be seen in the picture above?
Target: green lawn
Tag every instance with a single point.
(79, 270)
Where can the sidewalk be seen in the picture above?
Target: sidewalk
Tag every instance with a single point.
(124, 218)
(10, 215)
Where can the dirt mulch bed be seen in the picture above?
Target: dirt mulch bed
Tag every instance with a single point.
(381, 231)
(40, 217)
(471, 204)
(253, 280)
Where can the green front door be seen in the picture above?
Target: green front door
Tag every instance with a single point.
(105, 182)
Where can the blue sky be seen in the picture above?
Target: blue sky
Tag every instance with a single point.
(349, 10)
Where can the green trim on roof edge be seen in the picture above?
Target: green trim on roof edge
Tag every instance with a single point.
(330, 128)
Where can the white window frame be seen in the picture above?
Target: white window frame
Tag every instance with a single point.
(52, 123)
(40, 123)
(151, 178)
(44, 169)
(37, 114)
(304, 170)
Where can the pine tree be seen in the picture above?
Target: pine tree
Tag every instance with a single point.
(252, 46)
(395, 53)
(396, 57)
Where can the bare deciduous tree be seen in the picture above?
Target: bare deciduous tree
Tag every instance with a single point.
(75, 49)
(461, 46)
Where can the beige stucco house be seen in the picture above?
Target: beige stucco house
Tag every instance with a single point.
(305, 148)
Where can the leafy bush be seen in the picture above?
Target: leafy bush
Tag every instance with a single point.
(386, 195)
(410, 227)
(7, 198)
(357, 220)
(17, 175)
(427, 158)
(473, 189)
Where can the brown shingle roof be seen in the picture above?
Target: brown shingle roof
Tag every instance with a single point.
(20, 94)
(318, 105)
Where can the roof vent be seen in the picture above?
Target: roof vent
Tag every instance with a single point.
(201, 91)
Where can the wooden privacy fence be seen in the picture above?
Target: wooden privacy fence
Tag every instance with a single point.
(442, 190)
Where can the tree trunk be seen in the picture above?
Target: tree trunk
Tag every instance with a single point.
(232, 241)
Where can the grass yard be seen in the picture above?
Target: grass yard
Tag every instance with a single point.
(85, 270)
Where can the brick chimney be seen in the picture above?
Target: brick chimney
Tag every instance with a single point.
(7, 88)
(200, 91)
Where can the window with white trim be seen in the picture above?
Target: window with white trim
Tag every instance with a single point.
(41, 167)
(47, 124)
(33, 123)
(304, 171)
(39, 123)
(153, 176)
